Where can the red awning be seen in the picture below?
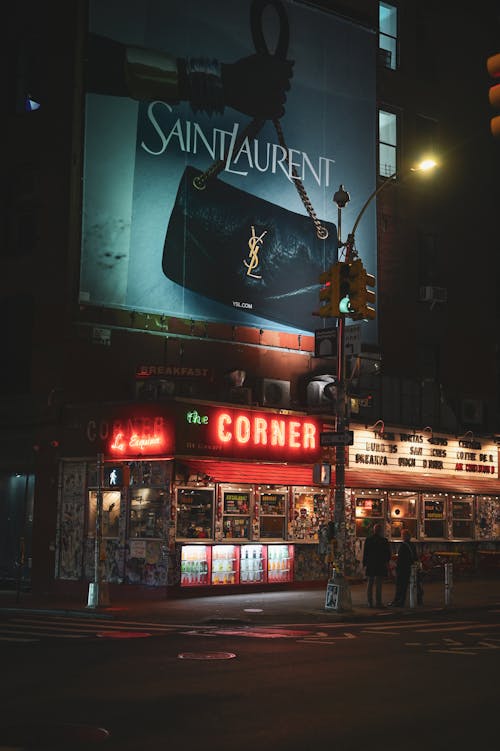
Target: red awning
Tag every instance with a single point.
(234, 472)
(295, 474)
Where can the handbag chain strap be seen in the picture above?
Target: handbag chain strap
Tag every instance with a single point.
(251, 131)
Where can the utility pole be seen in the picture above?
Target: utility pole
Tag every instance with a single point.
(98, 593)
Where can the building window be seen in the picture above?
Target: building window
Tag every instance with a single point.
(388, 35)
(434, 515)
(403, 514)
(195, 510)
(147, 510)
(462, 517)
(369, 511)
(110, 513)
(387, 143)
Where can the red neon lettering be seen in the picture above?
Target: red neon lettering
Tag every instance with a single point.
(118, 443)
(135, 441)
(224, 435)
(263, 431)
(242, 429)
(260, 431)
(145, 441)
(294, 435)
(309, 438)
(277, 432)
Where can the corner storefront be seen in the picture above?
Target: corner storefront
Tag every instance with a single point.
(199, 497)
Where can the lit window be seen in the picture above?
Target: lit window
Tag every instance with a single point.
(388, 35)
(387, 143)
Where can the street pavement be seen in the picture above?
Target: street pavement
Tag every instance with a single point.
(295, 605)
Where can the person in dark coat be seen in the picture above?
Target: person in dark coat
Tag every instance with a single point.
(376, 556)
(407, 555)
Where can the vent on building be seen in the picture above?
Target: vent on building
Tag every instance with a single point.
(240, 395)
(275, 393)
(472, 411)
(433, 294)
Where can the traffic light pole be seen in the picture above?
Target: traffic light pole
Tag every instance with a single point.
(338, 581)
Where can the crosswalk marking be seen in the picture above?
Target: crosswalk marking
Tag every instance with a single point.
(25, 629)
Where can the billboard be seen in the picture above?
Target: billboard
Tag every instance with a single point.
(215, 137)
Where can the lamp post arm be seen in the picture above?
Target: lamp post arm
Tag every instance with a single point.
(368, 201)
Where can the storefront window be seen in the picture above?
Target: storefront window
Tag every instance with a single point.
(236, 504)
(310, 509)
(462, 516)
(434, 515)
(195, 512)
(369, 511)
(272, 513)
(147, 509)
(110, 513)
(402, 514)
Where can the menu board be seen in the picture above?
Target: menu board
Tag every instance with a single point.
(272, 503)
(434, 509)
(462, 509)
(236, 503)
(369, 507)
(423, 453)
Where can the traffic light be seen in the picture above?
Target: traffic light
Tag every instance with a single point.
(493, 65)
(328, 294)
(355, 298)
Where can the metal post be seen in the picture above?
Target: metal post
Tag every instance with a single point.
(448, 582)
(343, 599)
(413, 585)
(98, 593)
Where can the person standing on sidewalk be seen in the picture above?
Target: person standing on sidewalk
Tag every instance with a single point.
(407, 555)
(376, 556)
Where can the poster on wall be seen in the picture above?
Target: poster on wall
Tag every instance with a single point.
(215, 138)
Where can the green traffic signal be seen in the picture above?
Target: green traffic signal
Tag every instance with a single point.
(355, 299)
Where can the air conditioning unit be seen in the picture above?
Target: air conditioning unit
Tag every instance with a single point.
(433, 294)
(240, 395)
(472, 411)
(321, 391)
(275, 393)
(146, 391)
(385, 57)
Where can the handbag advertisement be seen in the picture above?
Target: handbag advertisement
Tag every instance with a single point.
(215, 137)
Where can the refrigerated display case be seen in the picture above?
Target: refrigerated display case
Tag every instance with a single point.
(253, 564)
(195, 565)
(225, 564)
(280, 563)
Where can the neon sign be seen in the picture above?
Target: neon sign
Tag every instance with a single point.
(263, 430)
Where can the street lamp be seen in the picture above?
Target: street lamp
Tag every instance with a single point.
(341, 198)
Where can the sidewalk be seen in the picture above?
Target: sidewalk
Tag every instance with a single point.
(292, 606)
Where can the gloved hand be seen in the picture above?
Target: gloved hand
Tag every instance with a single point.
(257, 85)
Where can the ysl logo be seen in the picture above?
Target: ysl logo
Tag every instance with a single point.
(253, 253)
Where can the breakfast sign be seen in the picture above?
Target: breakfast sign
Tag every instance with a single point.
(423, 453)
